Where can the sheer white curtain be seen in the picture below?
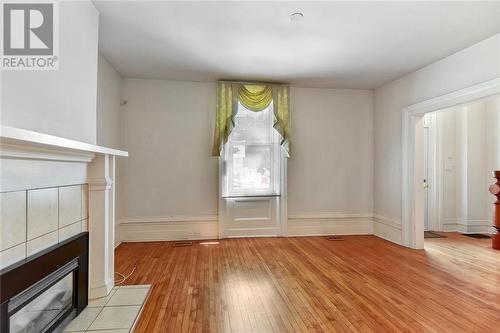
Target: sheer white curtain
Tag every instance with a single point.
(251, 156)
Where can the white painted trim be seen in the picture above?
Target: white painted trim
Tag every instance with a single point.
(169, 219)
(101, 223)
(462, 96)
(387, 228)
(282, 214)
(411, 195)
(466, 226)
(96, 291)
(433, 180)
(184, 227)
(283, 201)
(18, 136)
(323, 224)
(168, 230)
(387, 221)
(328, 215)
(221, 203)
(36, 153)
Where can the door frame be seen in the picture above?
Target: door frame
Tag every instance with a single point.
(282, 202)
(412, 160)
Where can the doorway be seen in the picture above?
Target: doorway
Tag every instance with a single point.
(413, 190)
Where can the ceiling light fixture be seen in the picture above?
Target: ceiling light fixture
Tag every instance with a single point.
(296, 17)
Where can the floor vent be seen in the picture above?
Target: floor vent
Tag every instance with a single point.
(334, 238)
(182, 243)
(478, 236)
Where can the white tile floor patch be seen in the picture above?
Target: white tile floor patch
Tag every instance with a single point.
(115, 313)
(112, 317)
(83, 321)
(128, 296)
(97, 302)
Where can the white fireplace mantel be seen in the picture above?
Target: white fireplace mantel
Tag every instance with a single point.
(31, 160)
(35, 140)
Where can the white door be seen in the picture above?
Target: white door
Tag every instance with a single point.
(252, 168)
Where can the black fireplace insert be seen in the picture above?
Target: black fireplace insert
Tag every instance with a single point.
(45, 291)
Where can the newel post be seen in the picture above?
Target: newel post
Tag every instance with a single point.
(101, 176)
(495, 190)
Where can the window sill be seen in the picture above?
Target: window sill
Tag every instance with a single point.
(251, 196)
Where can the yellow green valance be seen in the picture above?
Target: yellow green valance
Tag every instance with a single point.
(255, 97)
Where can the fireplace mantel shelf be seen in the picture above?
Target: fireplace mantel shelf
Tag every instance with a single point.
(34, 161)
(13, 136)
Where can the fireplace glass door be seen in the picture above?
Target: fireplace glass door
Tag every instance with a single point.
(40, 313)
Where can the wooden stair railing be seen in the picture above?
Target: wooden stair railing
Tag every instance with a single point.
(495, 190)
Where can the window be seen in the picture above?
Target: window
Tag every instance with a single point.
(252, 155)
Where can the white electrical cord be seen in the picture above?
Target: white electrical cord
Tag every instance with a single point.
(123, 277)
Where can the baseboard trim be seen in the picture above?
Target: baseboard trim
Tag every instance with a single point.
(170, 218)
(102, 290)
(322, 224)
(466, 226)
(201, 227)
(387, 228)
(170, 228)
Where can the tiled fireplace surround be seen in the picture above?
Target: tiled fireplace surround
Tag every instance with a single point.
(52, 188)
(35, 219)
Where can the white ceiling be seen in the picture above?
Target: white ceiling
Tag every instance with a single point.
(337, 44)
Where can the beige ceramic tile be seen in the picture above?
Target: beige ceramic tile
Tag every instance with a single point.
(41, 243)
(12, 219)
(101, 301)
(116, 317)
(83, 320)
(12, 255)
(70, 230)
(128, 296)
(42, 212)
(70, 205)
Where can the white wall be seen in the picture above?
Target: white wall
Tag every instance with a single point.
(170, 175)
(109, 122)
(108, 105)
(61, 102)
(478, 63)
(167, 130)
(493, 136)
(468, 150)
(331, 169)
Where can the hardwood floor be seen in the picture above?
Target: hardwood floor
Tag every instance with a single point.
(310, 284)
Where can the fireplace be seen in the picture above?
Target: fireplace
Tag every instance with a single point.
(45, 291)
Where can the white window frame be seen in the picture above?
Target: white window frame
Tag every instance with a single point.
(276, 161)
